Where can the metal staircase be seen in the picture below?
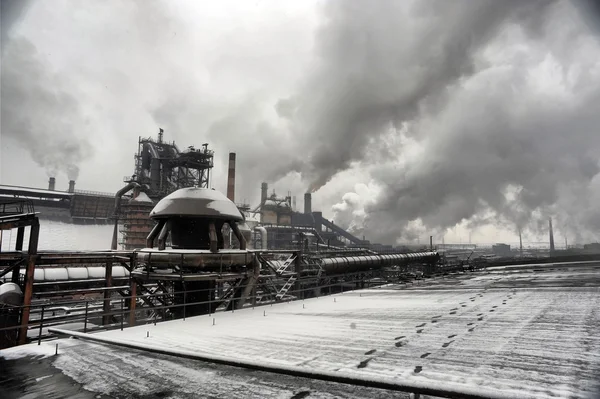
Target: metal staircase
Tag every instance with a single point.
(286, 287)
(286, 264)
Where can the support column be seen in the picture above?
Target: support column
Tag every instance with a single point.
(18, 247)
(31, 258)
(297, 269)
(107, 293)
(132, 302)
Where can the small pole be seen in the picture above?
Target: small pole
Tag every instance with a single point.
(213, 321)
(56, 350)
(303, 306)
(86, 317)
(264, 312)
(154, 318)
(334, 299)
(147, 334)
(184, 301)
(122, 315)
(41, 325)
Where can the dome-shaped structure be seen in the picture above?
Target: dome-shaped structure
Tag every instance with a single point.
(194, 219)
(197, 202)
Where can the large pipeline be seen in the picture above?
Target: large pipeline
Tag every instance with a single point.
(346, 264)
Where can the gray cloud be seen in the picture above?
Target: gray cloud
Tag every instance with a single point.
(40, 111)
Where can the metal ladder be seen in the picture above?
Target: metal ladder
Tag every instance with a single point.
(286, 287)
(286, 264)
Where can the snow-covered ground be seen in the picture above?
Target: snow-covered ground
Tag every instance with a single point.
(515, 333)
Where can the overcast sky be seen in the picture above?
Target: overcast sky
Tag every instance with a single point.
(406, 118)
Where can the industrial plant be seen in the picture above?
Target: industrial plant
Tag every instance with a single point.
(181, 249)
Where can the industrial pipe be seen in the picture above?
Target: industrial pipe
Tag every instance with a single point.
(154, 232)
(162, 237)
(263, 236)
(212, 234)
(238, 234)
(118, 196)
(347, 264)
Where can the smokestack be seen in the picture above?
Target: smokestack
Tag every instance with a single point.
(308, 203)
(520, 244)
(431, 243)
(264, 187)
(51, 183)
(231, 177)
(551, 235)
(71, 186)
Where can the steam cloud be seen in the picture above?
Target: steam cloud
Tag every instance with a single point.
(38, 113)
(462, 111)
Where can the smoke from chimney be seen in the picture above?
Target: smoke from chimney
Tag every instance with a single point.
(71, 186)
(231, 177)
(308, 203)
(51, 183)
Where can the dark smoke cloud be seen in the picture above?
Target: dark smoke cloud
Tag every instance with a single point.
(496, 97)
(40, 112)
(378, 65)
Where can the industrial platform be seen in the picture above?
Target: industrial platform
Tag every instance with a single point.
(522, 332)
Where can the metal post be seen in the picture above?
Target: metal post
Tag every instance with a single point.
(107, 284)
(122, 314)
(41, 325)
(132, 302)
(184, 300)
(32, 256)
(86, 316)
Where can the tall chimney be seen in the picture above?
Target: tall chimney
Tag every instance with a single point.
(307, 203)
(264, 187)
(551, 235)
(520, 244)
(231, 177)
(51, 183)
(71, 186)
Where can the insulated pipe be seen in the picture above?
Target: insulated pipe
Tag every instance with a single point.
(238, 234)
(346, 264)
(154, 232)
(263, 236)
(118, 196)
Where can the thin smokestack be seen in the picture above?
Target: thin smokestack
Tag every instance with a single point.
(51, 184)
(520, 244)
(264, 187)
(551, 235)
(71, 186)
(231, 177)
(307, 203)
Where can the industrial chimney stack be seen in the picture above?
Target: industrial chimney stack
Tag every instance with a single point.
(308, 203)
(551, 235)
(51, 183)
(264, 187)
(231, 177)
(71, 186)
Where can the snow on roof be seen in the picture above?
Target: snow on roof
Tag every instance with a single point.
(142, 197)
(496, 334)
(197, 202)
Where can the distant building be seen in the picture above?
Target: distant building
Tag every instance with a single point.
(593, 247)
